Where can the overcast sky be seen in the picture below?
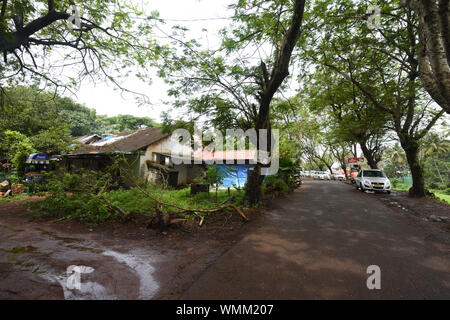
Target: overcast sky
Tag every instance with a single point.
(107, 100)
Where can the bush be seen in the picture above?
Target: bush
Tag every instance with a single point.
(76, 196)
(436, 186)
(84, 197)
(275, 184)
(83, 207)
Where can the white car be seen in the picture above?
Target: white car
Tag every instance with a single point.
(323, 175)
(373, 180)
(337, 176)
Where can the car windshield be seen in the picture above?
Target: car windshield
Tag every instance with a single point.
(374, 174)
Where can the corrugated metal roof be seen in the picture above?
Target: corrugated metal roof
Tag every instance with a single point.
(226, 155)
(88, 139)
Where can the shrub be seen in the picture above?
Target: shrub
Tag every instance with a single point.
(89, 201)
(83, 207)
(275, 184)
(436, 185)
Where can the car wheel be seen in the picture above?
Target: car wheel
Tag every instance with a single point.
(362, 188)
(388, 192)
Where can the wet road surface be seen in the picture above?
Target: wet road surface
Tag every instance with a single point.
(318, 243)
(314, 244)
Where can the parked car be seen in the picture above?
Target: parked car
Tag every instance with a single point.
(337, 176)
(373, 180)
(323, 175)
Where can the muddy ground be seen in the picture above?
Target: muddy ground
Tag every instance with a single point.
(129, 260)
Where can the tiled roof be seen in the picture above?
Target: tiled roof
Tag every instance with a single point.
(125, 142)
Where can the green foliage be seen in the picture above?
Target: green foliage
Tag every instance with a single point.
(115, 38)
(95, 208)
(54, 140)
(215, 175)
(94, 197)
(49, 122)
(14, 198)
(76, 196)
(443, 197)
(397, 184)
(84, 207)
(125, 122)
(275, 184)
(16, 147)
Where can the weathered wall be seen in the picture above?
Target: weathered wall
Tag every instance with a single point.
(186, 172)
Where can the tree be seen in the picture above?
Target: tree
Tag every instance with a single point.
(389, 56)
(215, 176)
(432, 147)
(30, 111)
(224, 84)
(434, 47)
(395, 159)
(350, 115)
(126, 122)
(17, 148)
(54, 140)
(97, 39)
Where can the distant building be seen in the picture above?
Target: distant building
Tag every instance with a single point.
(148, 153)
(150, 156)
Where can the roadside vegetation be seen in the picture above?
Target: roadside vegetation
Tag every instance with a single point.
(97, 197)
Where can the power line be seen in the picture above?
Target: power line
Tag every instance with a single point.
(190, 20)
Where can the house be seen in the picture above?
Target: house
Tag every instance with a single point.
(147, 151)
(151, 155)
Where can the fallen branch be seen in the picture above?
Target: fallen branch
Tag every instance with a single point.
(220, 208)
(114, 207)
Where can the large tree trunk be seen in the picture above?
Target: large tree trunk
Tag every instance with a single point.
(269, 85)
(253, 185)
(371, 158)
(344, 167)
(411, 148)
(434, 48)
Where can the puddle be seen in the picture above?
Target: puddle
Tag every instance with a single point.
(144, 270)
(11, 229)
(56, 237)
(89, 290)
(15, 253)
(84, 249)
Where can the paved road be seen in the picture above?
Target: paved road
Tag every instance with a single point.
(314, 244)
(318, 243)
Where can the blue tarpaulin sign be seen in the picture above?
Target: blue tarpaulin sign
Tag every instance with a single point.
(38, 158)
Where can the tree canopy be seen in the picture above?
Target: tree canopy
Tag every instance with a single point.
(60, 43)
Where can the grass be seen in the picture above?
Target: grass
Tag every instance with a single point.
(96, 209)
(400, 187)
(133, 200)
(442, 196)
(14, 198)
